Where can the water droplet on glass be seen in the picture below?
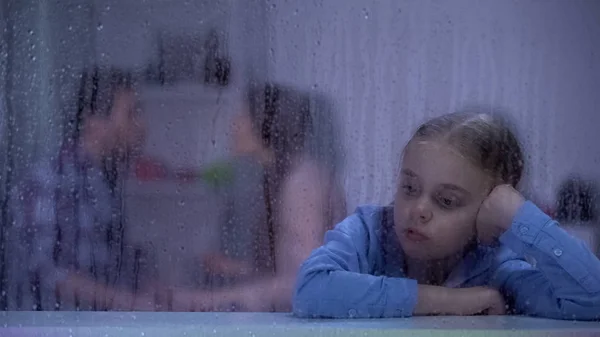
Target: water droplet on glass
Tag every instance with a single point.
(99, 26)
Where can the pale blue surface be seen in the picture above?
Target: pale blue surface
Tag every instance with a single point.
(358, 272)
(109, 324)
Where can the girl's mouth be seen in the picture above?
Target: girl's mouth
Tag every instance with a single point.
(415, 235)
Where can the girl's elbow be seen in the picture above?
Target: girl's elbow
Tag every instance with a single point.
(584, 308)
(582, 313)
(305, 298)
(303, 306)
(567, 310)
(301, 309)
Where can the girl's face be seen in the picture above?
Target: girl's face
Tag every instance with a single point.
(438, 197)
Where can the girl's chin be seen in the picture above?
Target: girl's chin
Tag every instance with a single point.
(413, 249)
(418, 250)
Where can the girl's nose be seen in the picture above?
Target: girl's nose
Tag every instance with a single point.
(421, 212)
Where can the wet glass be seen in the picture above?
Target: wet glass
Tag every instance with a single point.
(164, 155)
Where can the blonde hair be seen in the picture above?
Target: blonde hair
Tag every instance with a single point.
(486, 140)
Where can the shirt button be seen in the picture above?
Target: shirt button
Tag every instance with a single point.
(524, 229)
(558, 251)
(352, 313)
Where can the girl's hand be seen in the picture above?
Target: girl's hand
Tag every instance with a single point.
(477, 301)
(435, 300)
(496, 213)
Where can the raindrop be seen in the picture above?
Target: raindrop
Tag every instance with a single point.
(30, 32)
(99, 26)
(365, 13)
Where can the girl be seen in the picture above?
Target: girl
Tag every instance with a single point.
(459, 239)
(301, 197)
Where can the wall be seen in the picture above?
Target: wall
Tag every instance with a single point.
(127, 30)
(392, 63)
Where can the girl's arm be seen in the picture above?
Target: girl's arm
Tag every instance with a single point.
(335, 282)
(563, 279)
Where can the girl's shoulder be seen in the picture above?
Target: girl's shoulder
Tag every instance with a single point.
(368, 220)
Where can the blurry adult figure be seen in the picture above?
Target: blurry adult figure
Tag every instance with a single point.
(290, 135)
(66, 238)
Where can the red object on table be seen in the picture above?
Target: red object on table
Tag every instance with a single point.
(149, 169)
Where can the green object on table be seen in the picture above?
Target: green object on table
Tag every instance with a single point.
(218, 174)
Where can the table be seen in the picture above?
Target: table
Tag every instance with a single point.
(109, 324)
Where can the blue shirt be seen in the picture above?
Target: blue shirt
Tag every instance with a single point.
(539, 268)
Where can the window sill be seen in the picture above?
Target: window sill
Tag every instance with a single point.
(125, 324)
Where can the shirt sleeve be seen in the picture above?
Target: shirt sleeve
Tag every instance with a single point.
(547, 272)
(334, 281)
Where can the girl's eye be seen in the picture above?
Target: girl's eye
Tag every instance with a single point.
(448, 202)
(409, 189)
